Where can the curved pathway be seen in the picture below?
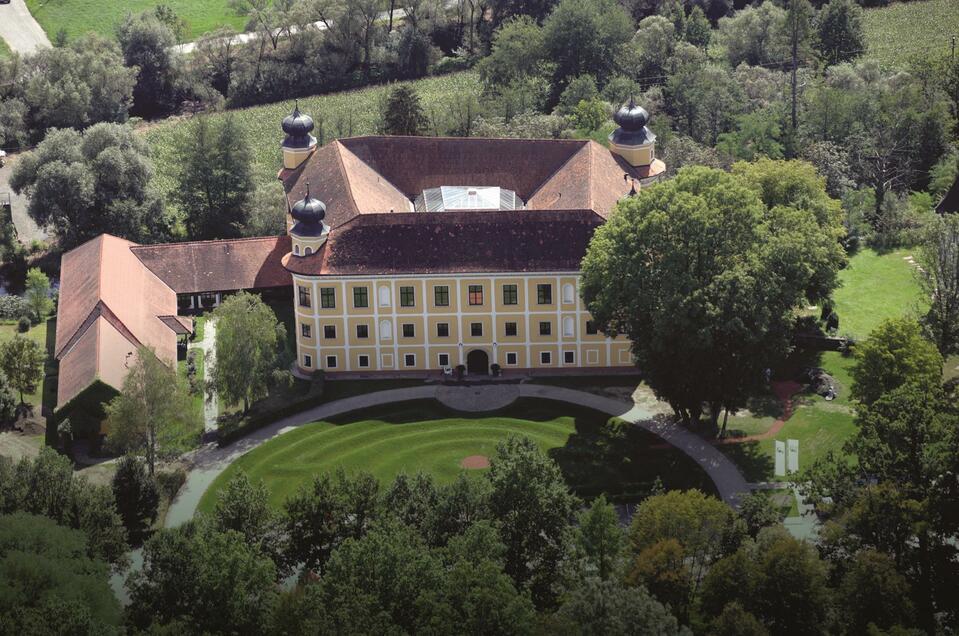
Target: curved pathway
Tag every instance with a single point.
(210, 461)
(18, 28)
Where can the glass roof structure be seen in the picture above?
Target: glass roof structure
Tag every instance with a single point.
(467, 198)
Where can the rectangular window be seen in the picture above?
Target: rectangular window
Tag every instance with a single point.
(569, 357)
(304, 293)
(510, 295)
(305, 330)
(361, 298)
(406, 297)
(363, 361)
(545, 357)
(362, 331)
(444, 359)
(511, 358)
(329, 331)
(544, 294)
(307, 360)
(409, 360)
(409, 330)
(591, 329)
(441, 296)
(330, 362)
(476, 294)
(545, 328)
(442, 330)
(476, 329)
(328, 297)
(511, 329)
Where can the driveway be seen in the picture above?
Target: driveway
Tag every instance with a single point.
(208, 462)
(27, 230)
(20, 31)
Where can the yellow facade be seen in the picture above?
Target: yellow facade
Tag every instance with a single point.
(420, 323)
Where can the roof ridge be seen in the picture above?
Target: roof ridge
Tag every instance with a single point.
(349, 182)
(558, 170)
(470, 139)
(144, 246)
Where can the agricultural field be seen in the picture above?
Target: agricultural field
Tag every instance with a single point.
(903, 31)
(336, 115)
(423, 436)
(79, 17)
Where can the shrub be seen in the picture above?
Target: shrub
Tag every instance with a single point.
(12, 307)
(137, 495)
(23, 325)
(170, 482)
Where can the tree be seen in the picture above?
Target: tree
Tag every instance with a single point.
(137, 496)
(704, 280)
(609, 607)
(404, 113)
(735, 621)
(874, 592)
(244, 507)
(248, 337)
(82, 186)
(412, 501)
(584, 37)
(841, 36)
(600, 538)
(21, 360)
(894, 353)
(517, 52)
(939, 279)
(754, 35)
(698, 30)
(535, 509)
(49, 583)
(758, 512)
(37, 293)
(154, 413)
(8, 401)
(209, 580)
(661, 568)
(147, 44)
(215, 179)
(797, 27)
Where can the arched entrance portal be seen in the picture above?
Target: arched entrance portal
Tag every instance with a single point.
(477, 362)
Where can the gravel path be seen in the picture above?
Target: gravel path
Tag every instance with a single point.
(27, 230)
(18, 28)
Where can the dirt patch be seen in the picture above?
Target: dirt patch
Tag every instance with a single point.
(475, 461)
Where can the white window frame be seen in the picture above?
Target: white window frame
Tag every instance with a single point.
(569, 327)
(307, 361)
(359, 361)
(569, 294)
(592, 356)
(515, 358)
(386, 360)
(549, 361)
(386, 330)
(406, 357)
(336, 362)
(439, 360)
(625, 356)
(572, 353)
(383, 296)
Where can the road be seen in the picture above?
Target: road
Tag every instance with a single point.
(27, 230)
(18, 28)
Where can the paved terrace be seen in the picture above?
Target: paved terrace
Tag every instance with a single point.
(210, 461)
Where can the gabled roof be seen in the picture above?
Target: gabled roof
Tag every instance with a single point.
(950, 201)
(204, 266)
(453, 242)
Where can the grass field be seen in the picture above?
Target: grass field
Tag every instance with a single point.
(79, 17)
(875, 287)
(904, 31)
(423, 436)
(336, 115)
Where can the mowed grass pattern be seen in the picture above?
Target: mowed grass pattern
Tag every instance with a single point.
(384, 449)
(79, 17)
(904, 31)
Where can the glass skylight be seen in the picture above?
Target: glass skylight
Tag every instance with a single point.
(467, 198)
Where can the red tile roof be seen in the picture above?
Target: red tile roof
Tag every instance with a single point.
(208, 266)
(448, 242)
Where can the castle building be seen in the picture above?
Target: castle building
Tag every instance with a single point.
(403, 255)
(413, 254)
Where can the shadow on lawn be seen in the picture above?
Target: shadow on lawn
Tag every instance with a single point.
(756, 464)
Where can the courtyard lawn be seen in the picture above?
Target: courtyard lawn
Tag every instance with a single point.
(424, 436)
(876, 287)
(904, 31)
(38, 333)
(79, 17)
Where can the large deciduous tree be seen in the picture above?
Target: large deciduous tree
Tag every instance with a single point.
(82, 186)
(147, 44)
(894, 354)
(939, 278)
(704, 279)
(137, 496)
(21, 359)
(154, 413)
(841, 36)
(37, 293)
(248, 337)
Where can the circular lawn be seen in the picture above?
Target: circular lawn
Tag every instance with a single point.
(423, 436)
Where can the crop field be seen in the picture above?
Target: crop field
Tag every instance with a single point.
(336, 115)
(78, 17)
(904, 31)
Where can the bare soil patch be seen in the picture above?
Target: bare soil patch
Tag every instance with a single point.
(475, 461)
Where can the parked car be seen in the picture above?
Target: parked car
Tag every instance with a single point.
(2, 153)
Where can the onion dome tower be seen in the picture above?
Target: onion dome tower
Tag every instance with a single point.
(309, 231)
(298, 143)
(633, 140)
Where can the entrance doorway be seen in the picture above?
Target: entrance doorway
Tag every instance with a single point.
(477, 362)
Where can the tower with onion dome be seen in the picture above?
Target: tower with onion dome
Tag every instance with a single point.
(298, 144)
(634, 141)
(309, 231)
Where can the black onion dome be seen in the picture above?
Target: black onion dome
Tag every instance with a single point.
(297, 127)
(631, 117)
(309, 213)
